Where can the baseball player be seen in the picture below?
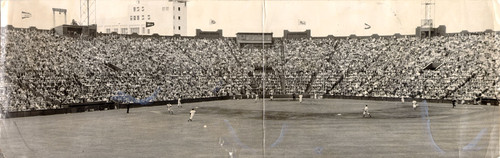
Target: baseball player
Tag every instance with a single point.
(169, 109)
(414, 102)
(300, 97)
(365, 111)
(179, 102)
(191, 115)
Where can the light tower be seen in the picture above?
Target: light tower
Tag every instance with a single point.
(88, 12)
(427, 22)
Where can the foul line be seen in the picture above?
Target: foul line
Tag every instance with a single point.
(425, 116)
(18, 131)
(280, 138)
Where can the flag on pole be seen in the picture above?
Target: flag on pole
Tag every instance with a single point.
(25, 15)
(302, 22)
(150, 24)
(367, 26)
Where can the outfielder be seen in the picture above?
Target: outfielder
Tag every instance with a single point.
(300, 97)
(414, 104)
(365, 111)
(179, 102)
(191, 115)
(169, 109)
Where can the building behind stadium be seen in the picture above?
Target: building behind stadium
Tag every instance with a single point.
(323, 18)
(337, 18)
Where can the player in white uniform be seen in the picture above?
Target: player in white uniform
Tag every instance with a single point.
(402, 99)
(191, 115)
(300, 98)
(179, 102)
(271, 93)
(414, 104)
(365, 111)
(256, 97)
(169, 109)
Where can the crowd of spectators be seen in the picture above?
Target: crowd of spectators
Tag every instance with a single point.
(46, 71)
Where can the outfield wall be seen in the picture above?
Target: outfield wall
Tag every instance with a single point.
(96, 106)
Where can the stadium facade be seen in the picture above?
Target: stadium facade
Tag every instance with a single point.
(164, 17)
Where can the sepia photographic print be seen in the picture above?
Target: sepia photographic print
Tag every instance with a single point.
(250, 78)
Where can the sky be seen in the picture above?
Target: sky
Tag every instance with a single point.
(322, 17)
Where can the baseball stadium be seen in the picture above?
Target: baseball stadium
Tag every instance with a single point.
(85, 89)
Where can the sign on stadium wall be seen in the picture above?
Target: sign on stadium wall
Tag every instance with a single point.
(254, 38)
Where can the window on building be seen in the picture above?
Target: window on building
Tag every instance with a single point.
(108, 30)
(138, 18)
(149, 17)
(134, 18)
(115, 30)
(142, 8)
(134, 30)
(142, 17)
(179, 18)
(143, 30)
(179, 8)
(179, 27)
(148, 31)
(131, 18)
(134, 9)
(124, 30)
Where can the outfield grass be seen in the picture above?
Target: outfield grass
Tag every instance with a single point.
(314, 128)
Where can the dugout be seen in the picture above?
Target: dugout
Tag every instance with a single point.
(490, 101)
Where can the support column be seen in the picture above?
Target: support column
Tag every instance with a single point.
(53, 18)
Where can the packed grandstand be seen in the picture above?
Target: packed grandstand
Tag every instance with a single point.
(45, 70)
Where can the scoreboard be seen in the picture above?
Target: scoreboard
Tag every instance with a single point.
(254, 38)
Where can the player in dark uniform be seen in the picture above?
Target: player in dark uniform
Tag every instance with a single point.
(454, 102)
(128, 107)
